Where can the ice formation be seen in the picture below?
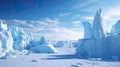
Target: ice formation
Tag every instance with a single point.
(60, 44)
(5, 37)
(43, 46)
(99, 45)
(88, 31)
(99, 35)
(115, 28)
(12, 38)
(43, 40)
(64, 44)
(21, 39)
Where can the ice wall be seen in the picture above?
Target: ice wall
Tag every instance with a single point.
(94, 42)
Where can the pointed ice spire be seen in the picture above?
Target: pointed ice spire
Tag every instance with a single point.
(97, 24)
(99, 11)
(43, 40)
(3, 26)
(98, 35)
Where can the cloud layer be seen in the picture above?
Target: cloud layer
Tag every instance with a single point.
(48, 27)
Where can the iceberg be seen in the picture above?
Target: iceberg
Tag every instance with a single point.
(99, 35)
(88, 32)
(20, 37)
(43, 40)
(13, 39)
(5, 38)
(60, 44)
(43, 46)
(115, 28)
(64, 44)
(3, 26)
(94, 42)
(99, 46)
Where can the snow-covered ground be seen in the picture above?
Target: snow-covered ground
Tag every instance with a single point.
(64, 58)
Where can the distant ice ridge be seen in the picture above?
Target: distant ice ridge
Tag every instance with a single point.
(95, 44)
(12, 39)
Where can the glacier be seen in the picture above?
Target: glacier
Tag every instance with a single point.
(96, 44)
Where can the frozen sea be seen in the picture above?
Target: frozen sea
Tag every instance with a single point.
(64, 58)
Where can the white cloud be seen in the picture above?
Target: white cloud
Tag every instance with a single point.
(111, 13)
(88, 18)
(64, 14)
(76, 23)
(84, 3)
(62, 33)
(76, 16)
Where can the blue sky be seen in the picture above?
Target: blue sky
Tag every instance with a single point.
(58, 19)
